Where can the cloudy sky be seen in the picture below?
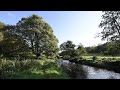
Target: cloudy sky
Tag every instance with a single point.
(77, 26)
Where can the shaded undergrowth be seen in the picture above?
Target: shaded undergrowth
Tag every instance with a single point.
(30, 69)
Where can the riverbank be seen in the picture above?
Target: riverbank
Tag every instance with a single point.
(30, 69)
(112, 66)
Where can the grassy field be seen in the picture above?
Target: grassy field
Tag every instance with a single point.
(103, 58)
(30, 69)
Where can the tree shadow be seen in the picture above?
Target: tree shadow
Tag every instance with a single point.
(75, 71)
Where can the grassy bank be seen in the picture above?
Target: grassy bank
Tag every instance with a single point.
(30, 69)
(104, 62)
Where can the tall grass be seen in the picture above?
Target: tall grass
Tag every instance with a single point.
(30, 69)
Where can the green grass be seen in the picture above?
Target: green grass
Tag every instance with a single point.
(100, 58)
(106, 62)
(31, 69)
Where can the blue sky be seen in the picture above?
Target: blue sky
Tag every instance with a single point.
(77, 26)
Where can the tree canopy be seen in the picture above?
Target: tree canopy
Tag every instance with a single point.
(1, 27)
(30, 34)
(111, 31)
(70, 51)
(111, 25)
(38, 35)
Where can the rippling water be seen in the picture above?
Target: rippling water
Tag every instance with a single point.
(100, 73)
(94, 73)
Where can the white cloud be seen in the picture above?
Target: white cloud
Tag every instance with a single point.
(10, 14)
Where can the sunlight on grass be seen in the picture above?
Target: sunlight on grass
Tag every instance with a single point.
(30, 69)
(49, 71)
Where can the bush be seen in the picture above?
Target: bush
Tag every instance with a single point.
(113, 58)
(94, 58)
(43, 57)
(103, 59)
(81, 58)
(12, 66)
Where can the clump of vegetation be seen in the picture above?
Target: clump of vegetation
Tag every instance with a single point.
(30, 69)
(94, 58)
(72, 52)
(81, 58)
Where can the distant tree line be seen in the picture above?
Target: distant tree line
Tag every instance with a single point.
(109, 48)
(69, 50)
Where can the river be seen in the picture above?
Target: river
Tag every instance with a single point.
(87, 72)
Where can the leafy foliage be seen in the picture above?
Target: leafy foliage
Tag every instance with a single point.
(12, 45)
(111, 25)
(69, 50)
(30, 69)
(94, 58)
(38, 35)
(81, 50)
(108, 48)
(30, 34)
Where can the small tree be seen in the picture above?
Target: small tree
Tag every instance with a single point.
(81, 50)
(67, 50)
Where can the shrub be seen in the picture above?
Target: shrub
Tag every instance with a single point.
(94, 58)
(113, 58)
(43, 57)
(12, 66)
(81, 58)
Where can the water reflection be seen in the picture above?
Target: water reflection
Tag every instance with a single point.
(77, 71)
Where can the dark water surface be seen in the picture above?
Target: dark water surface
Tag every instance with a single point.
(88, 71)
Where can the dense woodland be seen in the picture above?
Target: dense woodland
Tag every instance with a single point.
(30, 49)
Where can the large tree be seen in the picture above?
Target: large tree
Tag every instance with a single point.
(111, 25)
(68, 50)
(111, 30)
(1, 27)
(12, 45)
(38, 35)
(1, 35)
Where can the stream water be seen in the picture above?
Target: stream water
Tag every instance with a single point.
(90, 72)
